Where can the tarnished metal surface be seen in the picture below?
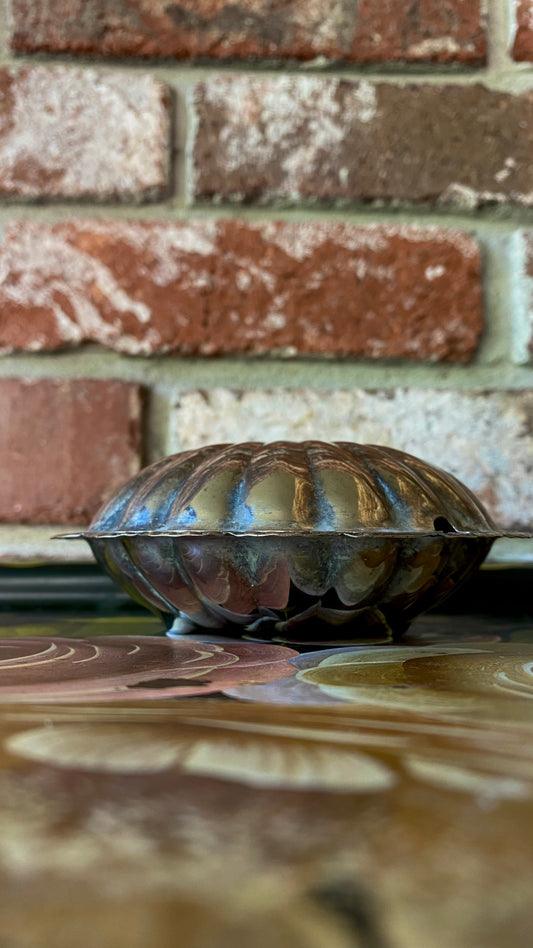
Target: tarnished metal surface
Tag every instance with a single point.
(292, 488)
(271, 536)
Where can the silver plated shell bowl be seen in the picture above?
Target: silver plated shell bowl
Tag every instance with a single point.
(292, 539)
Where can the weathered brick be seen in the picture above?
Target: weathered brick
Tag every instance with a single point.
(522, 50)
(215, 287)
(294, 139)
(76, 133)
(339, 30)
(66, 446)
(484, 438)
(523, 308)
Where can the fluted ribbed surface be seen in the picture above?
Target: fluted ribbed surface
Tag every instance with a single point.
(292, 488)
(281, 537)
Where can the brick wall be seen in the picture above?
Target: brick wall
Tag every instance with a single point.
(223, 221)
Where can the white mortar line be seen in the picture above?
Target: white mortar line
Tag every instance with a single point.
(520, 301)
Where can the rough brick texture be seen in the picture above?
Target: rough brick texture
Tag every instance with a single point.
(225, 286)
(294, 139)
(66, 446)
(433, 31)
(527, 301)
(523, 42)
(82, 134)
(485, 439)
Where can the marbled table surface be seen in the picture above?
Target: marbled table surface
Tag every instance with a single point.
(213, 792)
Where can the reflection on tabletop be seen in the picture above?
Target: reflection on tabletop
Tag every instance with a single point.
(377, 796)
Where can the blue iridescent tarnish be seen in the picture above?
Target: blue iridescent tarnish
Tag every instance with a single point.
(282, 538)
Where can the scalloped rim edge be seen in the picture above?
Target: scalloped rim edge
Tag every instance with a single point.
(375, 534)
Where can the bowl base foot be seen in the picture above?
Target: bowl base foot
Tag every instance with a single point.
(182, 625)
(368, 626)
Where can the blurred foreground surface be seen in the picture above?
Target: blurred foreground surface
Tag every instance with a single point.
(218, 792)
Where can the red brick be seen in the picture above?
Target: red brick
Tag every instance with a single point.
(523, 42)
(66, 446)
(82, 134)
(294, 139)
(229, 287)
(339, 30)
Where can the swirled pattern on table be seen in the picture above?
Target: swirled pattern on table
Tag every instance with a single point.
(476, 678)
(125, 667)
(376, 796)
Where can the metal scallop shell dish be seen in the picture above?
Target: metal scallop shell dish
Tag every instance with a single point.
(298, 540)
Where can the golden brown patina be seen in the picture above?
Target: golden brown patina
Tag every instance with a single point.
(268, 536)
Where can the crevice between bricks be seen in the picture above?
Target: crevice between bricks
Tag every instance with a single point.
(201, 66)
(489, 219)
(190, 372)
(495, 76)
(500, 33)
(520, 301)
(5, 29)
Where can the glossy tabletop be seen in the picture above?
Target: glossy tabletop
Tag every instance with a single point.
(214, 792)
